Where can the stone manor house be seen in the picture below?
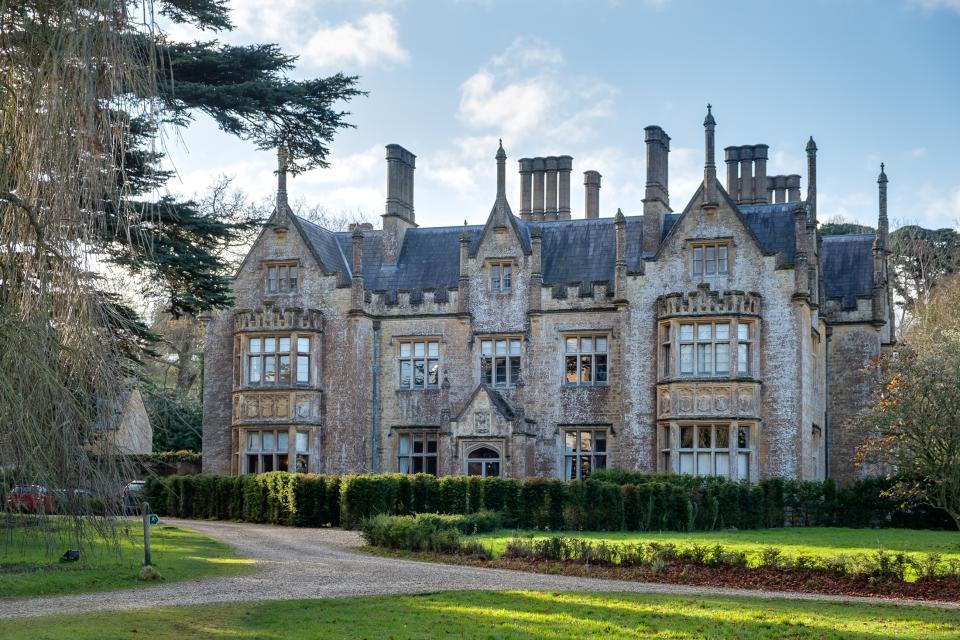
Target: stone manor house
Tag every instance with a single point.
(726, 338)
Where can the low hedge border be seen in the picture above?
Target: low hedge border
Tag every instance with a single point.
(609, 501)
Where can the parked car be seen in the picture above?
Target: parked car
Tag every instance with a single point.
(132, 496)
(31, 498)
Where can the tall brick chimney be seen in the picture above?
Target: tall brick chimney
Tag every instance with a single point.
(398, 215)
(656, 200)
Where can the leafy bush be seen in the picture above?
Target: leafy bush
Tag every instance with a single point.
(435, 532)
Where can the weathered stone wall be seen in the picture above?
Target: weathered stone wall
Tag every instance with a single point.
(851, 350)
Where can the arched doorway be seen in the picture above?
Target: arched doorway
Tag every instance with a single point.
(483, 462)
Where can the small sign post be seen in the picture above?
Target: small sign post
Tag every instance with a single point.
(147, 521)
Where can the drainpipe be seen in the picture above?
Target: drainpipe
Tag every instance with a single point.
(375, 401)
(826, 416)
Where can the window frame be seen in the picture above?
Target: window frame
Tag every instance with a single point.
(673, 451)
(484, 462)
(279, 459)
(593, 354)
(703, 253)
(512, 361)
(281, 276)
(703, 349)
(424, 456)
(274, 360)
(500, 277)
(410, 359)
(578, 456)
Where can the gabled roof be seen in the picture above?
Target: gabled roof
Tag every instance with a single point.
(324, 246)
(501, 216)
(496, 400)
(770, 225)
(847, 263)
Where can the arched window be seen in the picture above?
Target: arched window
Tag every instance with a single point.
(484, 462)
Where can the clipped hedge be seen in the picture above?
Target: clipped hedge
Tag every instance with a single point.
(610, 500)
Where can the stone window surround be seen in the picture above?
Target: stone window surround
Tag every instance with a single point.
(577, 453)
(692, 243)
(427, 340)
(397, 434)
(668, 452)
(578, 334)
(506, 282)
(494, 337)
(669, 349)
(483, 462)
(294, 436)
(267, 264)
(242, 358)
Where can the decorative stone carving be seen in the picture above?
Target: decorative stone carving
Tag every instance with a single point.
(708, 399)
(481, 422)
(703, 301)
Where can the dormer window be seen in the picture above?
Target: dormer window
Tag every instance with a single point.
(282, 277)
(501, 276)
(709, 258)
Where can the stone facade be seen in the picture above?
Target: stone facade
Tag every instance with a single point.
(727, 339)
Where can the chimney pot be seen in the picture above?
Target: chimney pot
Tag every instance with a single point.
(591, 183)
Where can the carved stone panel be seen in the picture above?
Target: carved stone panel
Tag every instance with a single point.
(708, 399)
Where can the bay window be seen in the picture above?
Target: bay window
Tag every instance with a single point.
(708, 449)
(269, 450)
(269, 360)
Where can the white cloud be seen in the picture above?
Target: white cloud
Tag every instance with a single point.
(349, 168)
(919, 152)
(933, 5)
(371, 40)
(299, 27)
(512, 108)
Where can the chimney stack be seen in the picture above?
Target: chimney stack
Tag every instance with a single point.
(591, 183)
(793, 188)
(731, 157)
(746, 174)
(539, 174)
(400, 166)
(564, 167)
(550, 208)
(811, 183)
(656, 200)
(709, 164)
(398, 216)
(760, 152)
(526, 187)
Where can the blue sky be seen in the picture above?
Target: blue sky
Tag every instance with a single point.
(871, 81)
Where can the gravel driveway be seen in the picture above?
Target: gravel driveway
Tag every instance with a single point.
(323, 563)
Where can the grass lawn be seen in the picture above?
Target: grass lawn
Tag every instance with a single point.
(813, 541)
(487, 615)
(29, 558)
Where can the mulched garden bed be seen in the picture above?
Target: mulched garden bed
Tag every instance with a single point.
(765, 579)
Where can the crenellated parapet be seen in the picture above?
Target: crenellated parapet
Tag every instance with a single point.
(406, 301)
(271, 318)
(705, 302)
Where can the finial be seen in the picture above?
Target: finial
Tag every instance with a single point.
(883, 175)
(500, 152)
(811, 145)
(619, 217)
(709, 119)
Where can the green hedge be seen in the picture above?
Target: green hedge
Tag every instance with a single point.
(609, 500)
(428, 531)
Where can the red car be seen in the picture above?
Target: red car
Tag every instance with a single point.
(31, 498)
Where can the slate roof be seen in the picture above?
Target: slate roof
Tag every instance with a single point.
(847, 264)
(575, 252)
(773, 225)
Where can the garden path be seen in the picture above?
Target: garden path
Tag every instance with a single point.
(297, 563)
